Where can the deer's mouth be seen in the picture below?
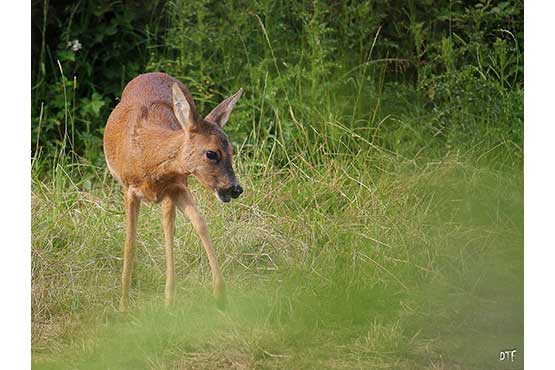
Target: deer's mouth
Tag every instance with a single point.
(225, 194)
(225, 198)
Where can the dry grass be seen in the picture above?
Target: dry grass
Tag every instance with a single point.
(379, 264)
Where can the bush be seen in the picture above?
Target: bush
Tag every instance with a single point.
(306, 68)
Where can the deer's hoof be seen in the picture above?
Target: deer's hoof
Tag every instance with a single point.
(221, 299)
(168, 302)
(220, 295)
(123, 306)
(221, 303)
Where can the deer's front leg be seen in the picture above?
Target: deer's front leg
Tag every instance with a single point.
(132, 205)
(185, 203)
(168, 220)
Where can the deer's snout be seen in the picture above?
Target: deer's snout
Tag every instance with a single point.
(225, 194)
(236, 191)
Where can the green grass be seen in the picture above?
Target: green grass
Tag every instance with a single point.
(366, 261)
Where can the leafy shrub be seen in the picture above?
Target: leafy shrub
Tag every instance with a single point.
(307, 69)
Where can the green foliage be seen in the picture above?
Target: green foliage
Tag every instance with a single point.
(400, 74)
(83, 55)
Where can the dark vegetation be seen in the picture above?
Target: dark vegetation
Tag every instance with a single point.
(402, 74)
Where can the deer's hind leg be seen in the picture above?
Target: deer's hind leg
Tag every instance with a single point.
(132, 206)
(168, 221)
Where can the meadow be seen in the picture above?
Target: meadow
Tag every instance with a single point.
(380, 148)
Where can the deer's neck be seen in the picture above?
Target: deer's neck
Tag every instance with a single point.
(164, 152)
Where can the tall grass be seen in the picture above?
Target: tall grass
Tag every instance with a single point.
(391, 263)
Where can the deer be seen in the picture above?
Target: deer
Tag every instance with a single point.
(154, 140)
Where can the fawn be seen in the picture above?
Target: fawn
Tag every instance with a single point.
(153, 141)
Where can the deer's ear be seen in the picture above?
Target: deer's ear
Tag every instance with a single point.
(220, 114)
(181, 108)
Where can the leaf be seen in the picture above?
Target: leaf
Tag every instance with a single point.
(92, 106)
(66, 55)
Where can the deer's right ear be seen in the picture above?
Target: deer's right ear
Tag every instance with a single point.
(182, 108)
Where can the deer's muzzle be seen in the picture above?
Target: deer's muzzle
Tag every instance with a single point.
(225, 194)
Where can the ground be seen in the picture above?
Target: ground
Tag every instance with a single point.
(378, 263)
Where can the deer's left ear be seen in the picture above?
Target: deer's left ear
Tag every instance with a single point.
(183, 111)
(220, 114)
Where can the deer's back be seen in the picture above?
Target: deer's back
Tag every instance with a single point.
(146, 100)
(153, 87)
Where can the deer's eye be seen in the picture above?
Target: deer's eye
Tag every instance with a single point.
(213, 156)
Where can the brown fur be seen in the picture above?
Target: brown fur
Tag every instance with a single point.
(153, 141)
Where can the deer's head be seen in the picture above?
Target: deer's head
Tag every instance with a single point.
(207, 151)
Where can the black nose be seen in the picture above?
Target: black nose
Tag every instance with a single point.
(236, 191)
